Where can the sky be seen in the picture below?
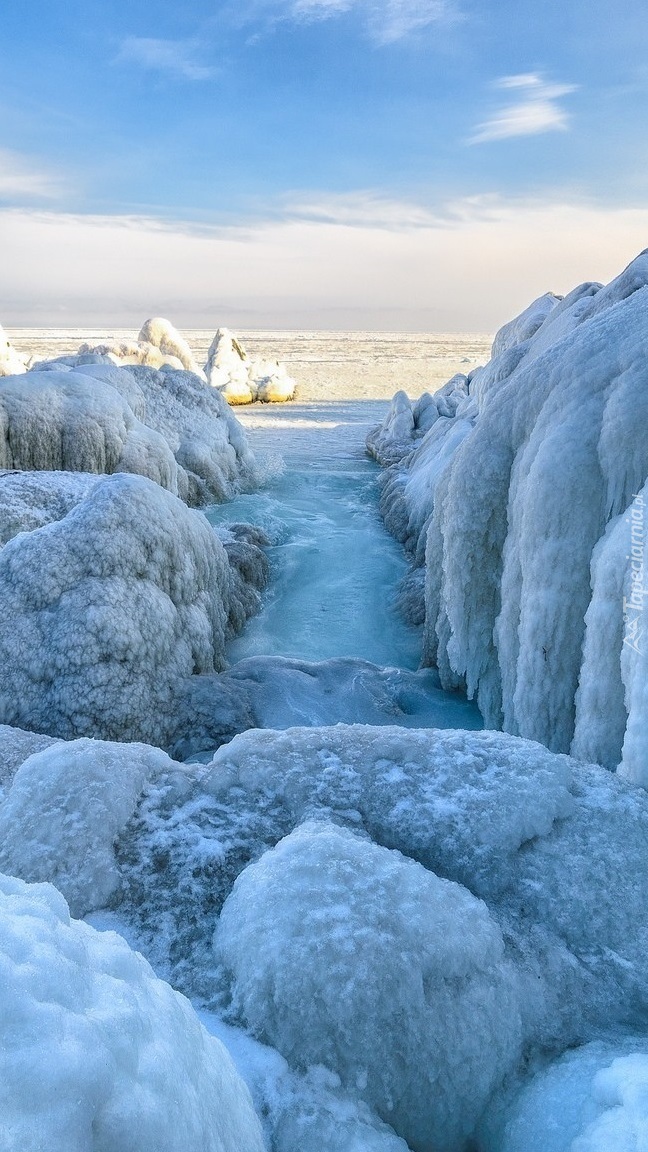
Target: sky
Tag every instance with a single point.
(402, 165)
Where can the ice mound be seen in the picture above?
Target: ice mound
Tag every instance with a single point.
(407, 422)
(97, 1053)
(16, 746)
(350, 956)
(594, 1099)
(510, 502)
(64, 810)
(108, 609)
(158, 345)
(11, 362)
(242, 381)
(95, 417)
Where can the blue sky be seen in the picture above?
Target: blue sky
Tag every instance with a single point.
(280, 134)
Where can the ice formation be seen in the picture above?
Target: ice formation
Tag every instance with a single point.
(348, 955)
(95, 417)
(510, 504)
(98, 1053)
(11, 362)
(108, 609)
(158, 345)
(594, 1099)
(241, 380)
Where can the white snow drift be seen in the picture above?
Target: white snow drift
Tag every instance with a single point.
(511, 502)
(97, 1053)
(108, 609)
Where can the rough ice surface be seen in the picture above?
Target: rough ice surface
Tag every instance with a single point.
(65, 808)
(98, 1055)
(158, 345)
(30, 500)
(593, 1099)
(95, 417)
(508, 502)
(242, 381)
(16, 745)
(350, 956)
(109, 609)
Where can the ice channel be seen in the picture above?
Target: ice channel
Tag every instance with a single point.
(334, 574)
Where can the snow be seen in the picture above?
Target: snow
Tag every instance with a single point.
(507, 502)
(242, 381)
(109, 609)
(98, 1053)
(94, 417)
(350, 956)
(11, 362)
(593, 1099)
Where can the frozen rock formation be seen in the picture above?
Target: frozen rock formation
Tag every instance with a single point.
(594, 1099)
(96, 417)
(348, 955)
(527, 508)
(109, 608)
(98, 1053)
(241, 380)
(158, 345)
(11, 362)
(407, 422)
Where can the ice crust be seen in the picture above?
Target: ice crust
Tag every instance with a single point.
(94, 417)
(109, 609)
(507, 502)
(350, 956)
(98, 1055)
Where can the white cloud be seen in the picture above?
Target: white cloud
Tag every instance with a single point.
(537, 111)
(471, 267)
(21, 179)
(386, 21)
(175, 57)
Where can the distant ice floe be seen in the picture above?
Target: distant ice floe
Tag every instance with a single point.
(97, 1053)
(528, 507)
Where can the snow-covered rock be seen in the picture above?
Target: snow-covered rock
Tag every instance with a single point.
(107, 610)
(348, 955)
(242, 381)
(593, 1099)
(97, 1053)
(158, 345)
(11, 362)
(510, 502)
(406, 423)
(96, 417)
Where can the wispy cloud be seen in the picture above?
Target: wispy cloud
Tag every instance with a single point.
(175, 57)
(21, 179)
(537, 110)
(385, 21)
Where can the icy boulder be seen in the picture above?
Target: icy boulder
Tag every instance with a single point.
(11, 362)
(64, 810)
(158, 345)
(96, 417)
(16, 746)
(594, 1099)
(348, 955)
(509, 503)
(242, 381)
(29, 500)
(98, 1053)
(406, 423)
(106, 611)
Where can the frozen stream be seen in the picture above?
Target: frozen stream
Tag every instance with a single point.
(334, 573)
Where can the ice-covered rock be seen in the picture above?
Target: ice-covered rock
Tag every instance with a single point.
(98, 1053)
(406, 422)
(509, 502)
(108, 609)
(348, 955)
(96, 417)
(593, 1099)
(241, 380)
(29, 500)
(16, 746)
(11, 362)
(158, 345)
